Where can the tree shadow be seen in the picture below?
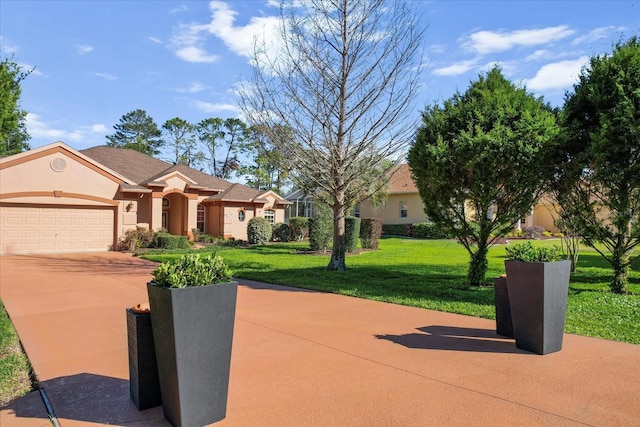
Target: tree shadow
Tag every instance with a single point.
(453, 338)
(91, 398)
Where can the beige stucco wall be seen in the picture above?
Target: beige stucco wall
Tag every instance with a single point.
(32, 180)
(390, 213)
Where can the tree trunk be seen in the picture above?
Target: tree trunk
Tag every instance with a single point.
(338, 253)
(620, 264)
(478, 265)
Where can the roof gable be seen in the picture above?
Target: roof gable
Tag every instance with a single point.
(401, 180)
(62, 148)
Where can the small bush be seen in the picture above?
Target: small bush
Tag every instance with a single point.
(428, 230)
(281, 232)
(169, 241)
(528, 253)
(533, 232)
(351, 233)
(320, 233)
(192, 270)
(139, 238)
(397, 229)
(547, 234)
(299, 226)
(370, 232)
(258, 230)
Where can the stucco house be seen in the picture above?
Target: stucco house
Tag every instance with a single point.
(58, 199)
(404, 205)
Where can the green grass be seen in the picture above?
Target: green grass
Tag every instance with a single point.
(15, 370)
(431, 274)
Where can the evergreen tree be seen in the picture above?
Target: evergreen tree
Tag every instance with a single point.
(137, 131)
(13, 132)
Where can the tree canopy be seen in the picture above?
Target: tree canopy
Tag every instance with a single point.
(342, 82)
(598, 185)
(13, 132)
(481, 160)
(137, 131)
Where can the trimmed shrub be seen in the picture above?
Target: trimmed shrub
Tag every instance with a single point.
(281, 232)
(351, 233)
(139, 238)
(299, 227)
(534, 232)
(320, 233)
(397, 229)
(258, 230)
(428, 230)
(170, 241)
(370, 232)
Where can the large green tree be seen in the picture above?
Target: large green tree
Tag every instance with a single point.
(223, 141)
(342, 80)
(481, 160)
(137, 131)
(179, 136)
(13, 132)
(598, 186)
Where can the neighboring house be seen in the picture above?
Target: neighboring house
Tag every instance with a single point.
(404, 205)
(57, 199)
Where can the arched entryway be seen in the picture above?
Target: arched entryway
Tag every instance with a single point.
(175, 208)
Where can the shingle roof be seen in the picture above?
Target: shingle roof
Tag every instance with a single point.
(239, 193)
(132, 164)
(401, 181)
(144, 169)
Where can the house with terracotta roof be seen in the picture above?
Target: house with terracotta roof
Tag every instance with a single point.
(58, 199)
(404, 205)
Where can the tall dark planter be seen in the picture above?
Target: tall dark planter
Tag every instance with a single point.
(193, 334)
(504, 324)
(538, 298)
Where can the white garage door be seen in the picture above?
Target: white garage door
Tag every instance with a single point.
(41, 230)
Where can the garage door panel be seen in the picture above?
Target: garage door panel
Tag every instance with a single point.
(55, 229)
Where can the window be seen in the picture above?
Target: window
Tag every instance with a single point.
(403, 209)
(523, 220)
(241, 215)
(270, 215)
(356, 210)
(200, 218)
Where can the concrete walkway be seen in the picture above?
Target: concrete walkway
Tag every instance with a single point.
(304, 358)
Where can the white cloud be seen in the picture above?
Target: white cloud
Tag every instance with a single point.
(187, 43)
(456, 69)
(83, 49)
(105, 76)
(179, 9)
(7, 47)
(188, 40)
(196, 54)
(195, 87)
(99, 128)
(557, 75)
(209, 107)
(39, 129)
(538, 55)
(83, 135)
(484, 42)
(597, 34)
(154, 39)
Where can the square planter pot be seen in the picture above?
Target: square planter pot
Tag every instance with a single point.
(144, 386)
(193, 335)
(504, 324)
(538, 297)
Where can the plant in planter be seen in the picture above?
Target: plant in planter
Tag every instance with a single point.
(538, 285)
(193, 304)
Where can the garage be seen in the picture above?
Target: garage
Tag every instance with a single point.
(39, 229)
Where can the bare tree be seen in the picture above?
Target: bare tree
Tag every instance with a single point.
(343, 80)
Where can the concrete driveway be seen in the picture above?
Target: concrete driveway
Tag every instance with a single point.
(304, 358)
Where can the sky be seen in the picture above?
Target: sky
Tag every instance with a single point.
(95, 61)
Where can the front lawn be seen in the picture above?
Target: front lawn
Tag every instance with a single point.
(15, 378)
(431, 274)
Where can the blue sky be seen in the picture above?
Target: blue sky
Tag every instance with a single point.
(98, 60)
